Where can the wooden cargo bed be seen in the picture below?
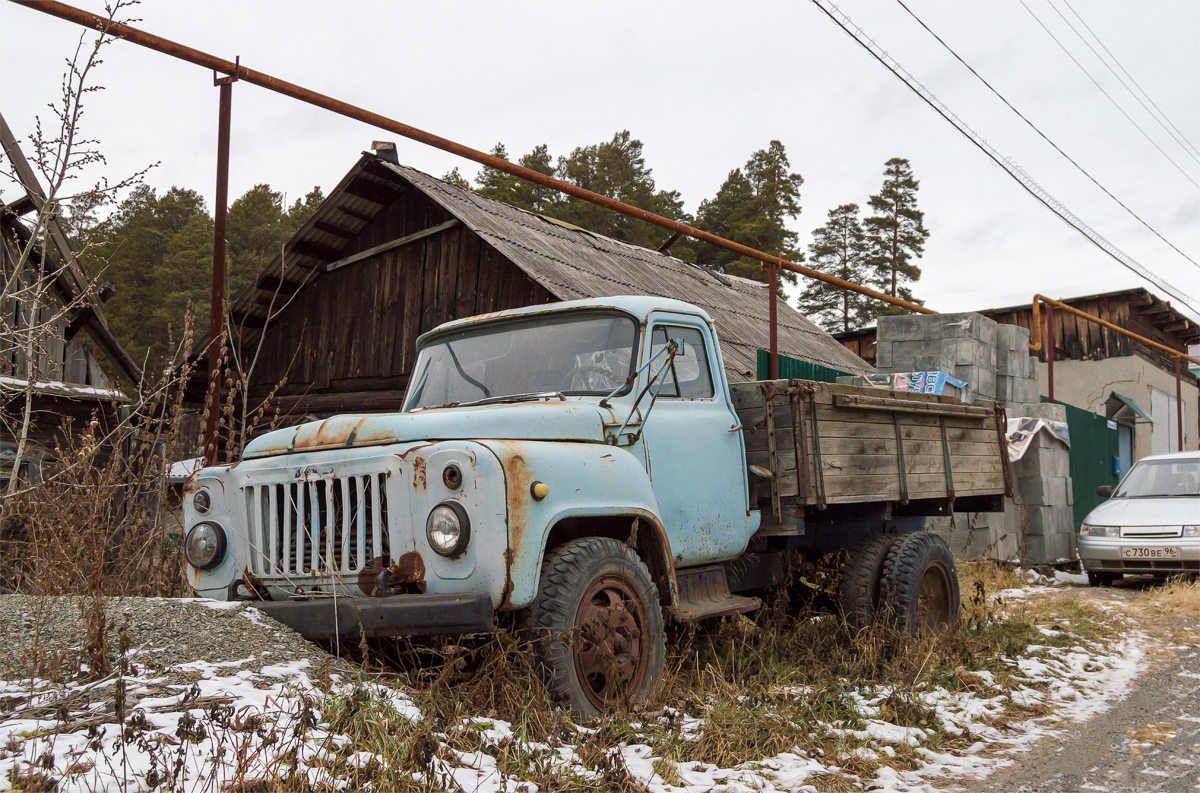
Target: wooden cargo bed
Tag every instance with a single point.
(817, 444)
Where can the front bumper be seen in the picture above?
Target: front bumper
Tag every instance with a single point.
(1104, 555)
(395, 615)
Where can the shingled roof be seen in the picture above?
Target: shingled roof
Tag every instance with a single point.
(572, 263)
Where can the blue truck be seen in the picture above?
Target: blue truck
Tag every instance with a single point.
(585, 469)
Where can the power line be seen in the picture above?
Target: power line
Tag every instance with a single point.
(1183, 138)
(1043, 135)
(1106, 94)
(1012, 168)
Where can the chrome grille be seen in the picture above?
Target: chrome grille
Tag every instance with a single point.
(324, 527)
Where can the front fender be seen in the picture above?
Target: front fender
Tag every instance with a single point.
(584, 479)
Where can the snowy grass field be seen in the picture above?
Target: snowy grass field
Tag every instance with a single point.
(781, 703)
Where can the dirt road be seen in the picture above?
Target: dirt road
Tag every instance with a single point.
(1148, 743)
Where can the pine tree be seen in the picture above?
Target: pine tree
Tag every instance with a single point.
(839, 248)
(501, 186)
(896, 233)
(617, 169)
(454, 177)
(752, 207)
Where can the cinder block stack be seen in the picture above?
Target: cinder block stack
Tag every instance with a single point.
(963, 345)
(1016, 369)
(1036, 526)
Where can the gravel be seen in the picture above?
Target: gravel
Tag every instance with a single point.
(163, 636)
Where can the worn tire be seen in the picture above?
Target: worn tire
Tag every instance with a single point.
(919, 584)
(858, 587)
(619, 627)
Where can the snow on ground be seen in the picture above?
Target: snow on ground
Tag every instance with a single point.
(236, 724)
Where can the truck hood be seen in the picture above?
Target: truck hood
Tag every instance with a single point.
(536, 421)
(1183, 510)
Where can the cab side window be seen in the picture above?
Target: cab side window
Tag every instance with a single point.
(688, 375)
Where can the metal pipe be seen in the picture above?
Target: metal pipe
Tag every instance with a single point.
(773, 281)
(1050, 351)
(176, 50)
(216, 331)
(1179, 398)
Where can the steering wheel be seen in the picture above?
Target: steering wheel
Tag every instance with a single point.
(589, 368)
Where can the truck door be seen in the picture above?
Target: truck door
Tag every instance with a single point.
(694, 459)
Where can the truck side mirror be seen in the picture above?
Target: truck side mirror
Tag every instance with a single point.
(1104, 491)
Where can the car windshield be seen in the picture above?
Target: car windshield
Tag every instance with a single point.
(572, 353)
(1161, 479)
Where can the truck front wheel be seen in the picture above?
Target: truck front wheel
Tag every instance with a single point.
(919, 583)
(597, 625)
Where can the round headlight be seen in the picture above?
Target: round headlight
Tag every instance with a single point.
(204, 546)
(448, 528)
(202, 501)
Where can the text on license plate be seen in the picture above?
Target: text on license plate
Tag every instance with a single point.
(1141, 552)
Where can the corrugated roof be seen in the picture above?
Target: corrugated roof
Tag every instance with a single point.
(573, 263)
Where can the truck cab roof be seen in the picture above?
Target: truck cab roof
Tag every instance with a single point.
(640, 306)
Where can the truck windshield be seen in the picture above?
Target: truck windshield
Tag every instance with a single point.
(573, 353)
(1161, 479)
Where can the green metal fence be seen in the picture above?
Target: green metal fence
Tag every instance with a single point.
(795, 369)
(1094, 451)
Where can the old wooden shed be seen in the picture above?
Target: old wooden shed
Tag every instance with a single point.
(393, 252)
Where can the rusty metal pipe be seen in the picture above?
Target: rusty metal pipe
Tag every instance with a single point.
(216, 330)
(773, 283)
(1179, 398)
(176, 50)
(1050, 351)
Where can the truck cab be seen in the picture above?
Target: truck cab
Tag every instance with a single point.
(521, 432)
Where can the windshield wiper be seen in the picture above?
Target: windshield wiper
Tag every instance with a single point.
(511, 398)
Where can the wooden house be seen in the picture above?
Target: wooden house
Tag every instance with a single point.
(393, 252)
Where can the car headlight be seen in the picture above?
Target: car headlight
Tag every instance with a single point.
(1099, 531)
(202, 501)
(204, 546)
(448, 528)
(1191, 531)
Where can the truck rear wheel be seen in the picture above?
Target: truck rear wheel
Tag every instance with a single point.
(919, 584)
(598, 625)
(858, 589)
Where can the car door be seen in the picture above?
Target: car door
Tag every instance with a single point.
(694, 447)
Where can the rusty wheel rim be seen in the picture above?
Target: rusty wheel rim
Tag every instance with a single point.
(609, 647)
(933, 597)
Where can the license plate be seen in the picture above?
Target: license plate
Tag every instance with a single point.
(1141, 552)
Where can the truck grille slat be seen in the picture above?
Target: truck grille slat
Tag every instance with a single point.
(329, 527)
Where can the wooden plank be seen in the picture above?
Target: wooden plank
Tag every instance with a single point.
(387, 246)
(847, 488)
(850, 429)
(868, 464)
(896, 405)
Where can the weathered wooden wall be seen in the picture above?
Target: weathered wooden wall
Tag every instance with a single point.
(347, 342)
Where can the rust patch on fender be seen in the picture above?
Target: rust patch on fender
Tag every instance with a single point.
(518, 480)
(419, 473)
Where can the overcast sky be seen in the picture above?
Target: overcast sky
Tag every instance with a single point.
(703, 85)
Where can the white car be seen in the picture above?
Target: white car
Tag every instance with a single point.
(1150, 523)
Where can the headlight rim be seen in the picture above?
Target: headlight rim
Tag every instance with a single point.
(222, 545)
(207, 507)
(1106, 532)
(464, 534)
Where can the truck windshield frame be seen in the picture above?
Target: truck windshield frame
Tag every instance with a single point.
(569, 353)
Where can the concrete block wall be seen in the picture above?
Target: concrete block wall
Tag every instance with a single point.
(1037, 525)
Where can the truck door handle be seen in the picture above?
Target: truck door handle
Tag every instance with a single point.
(735, 428)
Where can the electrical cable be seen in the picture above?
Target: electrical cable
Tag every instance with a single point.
(1083, 69)
(1043, 135)
(1012, 168)
(1174, 130)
